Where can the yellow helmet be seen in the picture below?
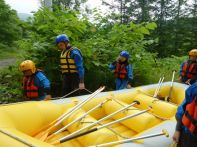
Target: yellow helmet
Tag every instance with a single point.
(193, 52)
(28, 65)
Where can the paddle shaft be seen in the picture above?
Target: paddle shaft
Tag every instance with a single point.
(55, 98)
(75, 91)
(88, 112)
(102, 119)
(171, 85)
(159, 87)
(103, 126)
(66, 114)
(129, 140)
(79, 105)
(17, 138)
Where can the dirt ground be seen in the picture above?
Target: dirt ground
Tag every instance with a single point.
(7, 62)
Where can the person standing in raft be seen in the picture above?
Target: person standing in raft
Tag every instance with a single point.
(185, 134)
(36, 85)
(123, 71)
(71, 63)
(188, 72)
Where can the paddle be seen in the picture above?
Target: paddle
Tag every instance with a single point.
(42, 135)
(164, 132)
(64, 139)
(55, 98)
(159, 87)
(102, 119)
(17, 138)
(79, 118)
(171, 86)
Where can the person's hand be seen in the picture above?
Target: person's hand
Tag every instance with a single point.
(81, 86)
(176, 136)
(128, 86)
(188, 82)
(47, 97)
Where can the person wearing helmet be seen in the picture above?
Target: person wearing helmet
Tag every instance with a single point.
(123, 71)
(71, 61)
(188, 71)
(35, 84)
(185, 134)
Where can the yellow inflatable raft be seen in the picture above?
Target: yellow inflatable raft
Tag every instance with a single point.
(26, 124)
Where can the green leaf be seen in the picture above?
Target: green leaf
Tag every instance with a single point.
(151, 26)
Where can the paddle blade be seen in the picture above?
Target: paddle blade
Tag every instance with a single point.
(42, 136)
(44, 128)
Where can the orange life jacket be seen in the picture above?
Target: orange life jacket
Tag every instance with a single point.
(31, 91)
(121, 71)
(189, 118)
(189, 70)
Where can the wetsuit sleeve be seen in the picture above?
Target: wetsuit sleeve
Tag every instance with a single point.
(76, 55)
(130, 72)
(194, 78)
(179, 115)
(112, 66)
(43, 82)
(181, 69)
(190, 94)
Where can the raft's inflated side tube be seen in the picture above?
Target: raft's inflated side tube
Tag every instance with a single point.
(121, 129)
(30, 116)
(126, 96)
(7, 141)
(159, 107)
(177, 95)
(98, 137)
(138, 123)
(98, 113)
(22, 119)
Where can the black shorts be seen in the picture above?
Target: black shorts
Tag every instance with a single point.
(187, 140)
(70, 82)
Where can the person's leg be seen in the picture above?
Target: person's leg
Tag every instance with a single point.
(74, 83)
(186, 140)
(118, 84)
(123, 84)
(66, 84)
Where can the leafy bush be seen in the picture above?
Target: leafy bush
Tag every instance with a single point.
(10, 85)
(100, 44)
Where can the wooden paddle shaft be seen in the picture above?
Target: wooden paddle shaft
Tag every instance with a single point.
(79, 105)
(17, 138)
(103, 126)
(66, 114)
(171, 85)
(159, 87)
(88, 112)
(164, 132)
(102, 119)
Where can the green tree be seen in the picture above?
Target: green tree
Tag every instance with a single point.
(9, 29)
(69, 4)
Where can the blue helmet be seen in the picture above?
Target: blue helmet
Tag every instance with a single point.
(124, 54)
(62, 38)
